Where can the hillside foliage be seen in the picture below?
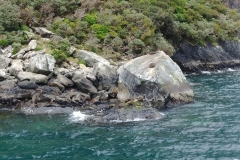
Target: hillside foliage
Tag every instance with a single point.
(120, 26)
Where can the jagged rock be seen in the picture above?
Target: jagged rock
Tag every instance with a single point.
(32, 45)
(33, 53)
(106, 76)
(43, 32)
(61, 71)
(2, 74)
(84, 85)
(103, 95)
(57, 84)
(27, 85)
(87, 73)
(90, 57)
(43, 64)
(16, 67)
(37, 78)
(7, 52)
(8, 84)
(50, 90)
(14, 93)
(192, 59)
(81, 98)
(4, 62)
(72, 50)
(155, 77)
(64, 81)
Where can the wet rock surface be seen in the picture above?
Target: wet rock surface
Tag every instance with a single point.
(195, 59)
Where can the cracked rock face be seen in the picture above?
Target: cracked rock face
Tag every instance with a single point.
(155, 77)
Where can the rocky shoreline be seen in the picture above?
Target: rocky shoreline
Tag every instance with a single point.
(197, 59)
(32, 83)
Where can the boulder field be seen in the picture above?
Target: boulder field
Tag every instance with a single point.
(32, 83)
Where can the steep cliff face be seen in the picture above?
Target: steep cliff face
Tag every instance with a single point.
(233, 4)
(211, 57)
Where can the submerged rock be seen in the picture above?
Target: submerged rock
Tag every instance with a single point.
(46, 110)
(156, 78)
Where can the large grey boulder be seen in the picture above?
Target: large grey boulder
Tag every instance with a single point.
(43, 32)
(37, 78)
(106, 76)
(16, 67)
(84, 85)
(156, 78)
(90, 57)
(27, 85)
(5, 61)
(42, 64)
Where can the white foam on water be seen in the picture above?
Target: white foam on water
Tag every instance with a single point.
(78, 116)
(206, 72)
(231, 70)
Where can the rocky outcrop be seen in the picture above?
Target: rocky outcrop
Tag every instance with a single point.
(155, 78)
(37, 78)
(42, 64)
(106, 75)
(16, 67)
(195, 59)
(32, 84)
(4, 62)
(90, 57)
(43, 32)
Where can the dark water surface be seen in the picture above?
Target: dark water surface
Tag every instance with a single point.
(209, 128)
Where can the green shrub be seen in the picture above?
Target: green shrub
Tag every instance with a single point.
(59, 55)
(9, 15)
(137, 46)
(100, 30)
(16, 47)
(91, 19)
(81, 61)
(4, 43)
(24, 28)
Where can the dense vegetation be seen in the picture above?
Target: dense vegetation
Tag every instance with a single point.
(120, 26)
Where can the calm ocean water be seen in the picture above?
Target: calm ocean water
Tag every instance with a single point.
(209, 128)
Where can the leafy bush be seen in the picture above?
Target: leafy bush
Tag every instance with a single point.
(59, 55)
(100, 30)
(81, 61)
(4, 43)
(9, 15)
(16, 47)
(91, 19)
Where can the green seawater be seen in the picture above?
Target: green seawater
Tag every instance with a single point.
(209, 128)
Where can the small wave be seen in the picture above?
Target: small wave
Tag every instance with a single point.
(206, 72)
(78, 116)
(231, 70)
